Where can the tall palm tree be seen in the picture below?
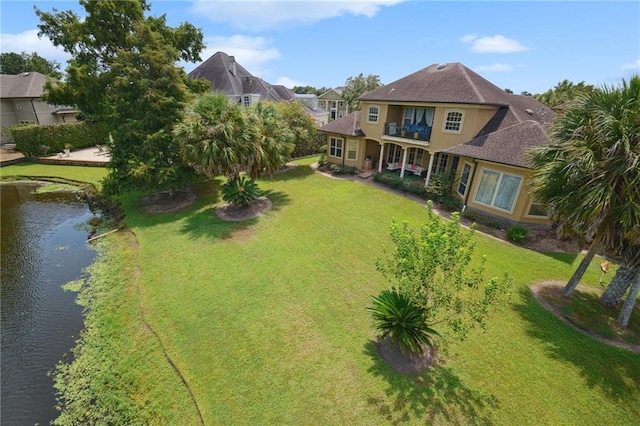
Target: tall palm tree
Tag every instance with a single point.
(589, 174)
(273, 143)
(215, 137)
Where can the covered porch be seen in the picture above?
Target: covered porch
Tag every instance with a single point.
(411, 161)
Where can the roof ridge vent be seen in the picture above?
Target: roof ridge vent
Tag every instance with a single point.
(441, 66)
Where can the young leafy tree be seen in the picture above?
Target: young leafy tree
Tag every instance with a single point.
(357, 86)
(14, 63)
(589, 176)
(432, 271)
(123, 73)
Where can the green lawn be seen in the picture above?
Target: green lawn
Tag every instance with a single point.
(93, 175)
(266, 321)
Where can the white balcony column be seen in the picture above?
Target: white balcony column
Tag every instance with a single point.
(426, 180)
(404, 161)
(381, 156)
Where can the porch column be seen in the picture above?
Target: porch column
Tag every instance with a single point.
(404, 161)
(426, 180)
(381, 156)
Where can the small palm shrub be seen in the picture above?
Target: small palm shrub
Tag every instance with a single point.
(240, 191)
(517, 233)
(397, 316)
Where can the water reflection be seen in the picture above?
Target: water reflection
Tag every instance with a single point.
(42, 246)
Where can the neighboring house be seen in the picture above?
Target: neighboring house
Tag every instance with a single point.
(232, 79)
(447, 118)
(20, 102)
(332, 101)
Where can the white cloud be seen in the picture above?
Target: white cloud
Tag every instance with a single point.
(632, 66)
(29, 42)
(495, 68)
(290, 83)
(495, 44)
(253, 15)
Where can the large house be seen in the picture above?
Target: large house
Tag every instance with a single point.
(332, 101)
(240, 86)
(447, 118)
(21, 103)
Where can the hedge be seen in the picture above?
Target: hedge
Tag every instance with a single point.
(35, 140)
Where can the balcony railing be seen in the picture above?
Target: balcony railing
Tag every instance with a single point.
(411, 131)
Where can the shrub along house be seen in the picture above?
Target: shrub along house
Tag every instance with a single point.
(20, 96)
(446, 118)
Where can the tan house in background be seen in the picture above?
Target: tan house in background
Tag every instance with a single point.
(332, 101)
(447, 118)
(20, 102)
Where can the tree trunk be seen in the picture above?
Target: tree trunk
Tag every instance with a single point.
(579, 272)
(622, 280)
(627, 308)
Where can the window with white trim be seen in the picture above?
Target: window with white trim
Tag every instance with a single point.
(373, 114)
(498, 190)
(335, 147)
(464, 179)
(352, 150)
(537, 209)
(453, 122)
(246, 100)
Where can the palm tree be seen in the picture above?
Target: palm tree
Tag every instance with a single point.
(215, 137)
(273, 143)
(589, 174)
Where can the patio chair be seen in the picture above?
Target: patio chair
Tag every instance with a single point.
(394, 166)
(102, 150)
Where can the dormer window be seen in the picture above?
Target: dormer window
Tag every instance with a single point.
(453, 122)
(373, 114)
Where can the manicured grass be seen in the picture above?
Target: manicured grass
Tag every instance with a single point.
(267, 321)
(93, 175)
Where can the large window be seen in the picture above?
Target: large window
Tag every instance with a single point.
(498, 190)
(464, 179)
(418, 116)
(335, 147)
(352, 150)
(372, 116)
(453, 122)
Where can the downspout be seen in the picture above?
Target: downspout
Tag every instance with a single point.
(473, 174)
(35, 114)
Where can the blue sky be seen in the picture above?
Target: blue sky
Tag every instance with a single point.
(523, 46)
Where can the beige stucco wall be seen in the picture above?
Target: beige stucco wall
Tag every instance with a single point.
(523, 199)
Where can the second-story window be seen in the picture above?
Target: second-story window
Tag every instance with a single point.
(372, 116)
(453, 122)
(246, 100)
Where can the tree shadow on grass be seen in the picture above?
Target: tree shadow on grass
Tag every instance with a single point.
(291, 173)
(613, 371)
(563, 257)
(436, 396)
(204, 223)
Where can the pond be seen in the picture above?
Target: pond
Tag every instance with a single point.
(43, 246)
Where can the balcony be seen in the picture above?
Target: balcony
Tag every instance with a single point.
(411, 131)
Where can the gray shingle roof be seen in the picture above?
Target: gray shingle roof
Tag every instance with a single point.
(348, 125)
(452, 82)
(25, 85)
(229, 77)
